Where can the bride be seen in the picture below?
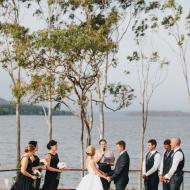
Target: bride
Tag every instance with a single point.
(92, 180)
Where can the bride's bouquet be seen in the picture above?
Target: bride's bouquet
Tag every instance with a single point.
(61, 165)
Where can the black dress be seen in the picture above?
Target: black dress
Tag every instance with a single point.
(52, 178)
(24, 182)
(106, 168)
(36, 163)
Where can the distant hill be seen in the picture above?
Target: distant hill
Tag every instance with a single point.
(7, 108)
(3, 101)
(161, 113)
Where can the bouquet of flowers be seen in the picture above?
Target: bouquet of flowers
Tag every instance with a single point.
(43, 162)
(61, 165)
(37, 173)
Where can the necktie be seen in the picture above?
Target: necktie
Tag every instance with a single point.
(149, 155)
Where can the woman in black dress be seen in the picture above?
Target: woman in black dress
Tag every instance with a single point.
(26, 177)
(52, 172)
(36, 164)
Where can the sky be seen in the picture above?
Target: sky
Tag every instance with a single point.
(171, 95)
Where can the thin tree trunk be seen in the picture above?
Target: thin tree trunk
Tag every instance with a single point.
(143, 127)
(101, 119)
(18, 130)
(88, 136)
(91, 119)
(87, 127)
(101, 110)
(142, 155)
(82, 141)
(50, 120)
(86, 123)
(102, 97)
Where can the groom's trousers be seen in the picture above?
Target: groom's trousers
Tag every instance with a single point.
(121, 186)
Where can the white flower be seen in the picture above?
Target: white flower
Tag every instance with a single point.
(61, 165)
(37, 173)
(43, 161)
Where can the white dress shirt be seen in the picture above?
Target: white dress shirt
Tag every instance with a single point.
(155, 167)
(177, 158)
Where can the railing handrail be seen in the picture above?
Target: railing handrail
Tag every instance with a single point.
(79, 169)
(66, 169)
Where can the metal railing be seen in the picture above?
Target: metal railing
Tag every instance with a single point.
(80, 170)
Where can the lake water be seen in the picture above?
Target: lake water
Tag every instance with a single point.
(66, 130)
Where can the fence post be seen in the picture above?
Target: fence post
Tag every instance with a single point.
(183, 183)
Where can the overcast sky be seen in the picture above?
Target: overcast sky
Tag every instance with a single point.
(171, 95)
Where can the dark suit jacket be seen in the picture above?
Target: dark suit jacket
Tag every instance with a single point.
(120, 173)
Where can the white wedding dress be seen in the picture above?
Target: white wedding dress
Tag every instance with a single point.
(91, 181)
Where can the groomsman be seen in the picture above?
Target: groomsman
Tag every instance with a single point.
(150, 166)
(174, 177)
(165, 163)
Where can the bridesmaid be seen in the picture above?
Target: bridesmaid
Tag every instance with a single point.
(52, 172)
(25, 179)
(36, 164)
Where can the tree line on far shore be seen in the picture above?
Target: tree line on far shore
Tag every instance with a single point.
(9, 109)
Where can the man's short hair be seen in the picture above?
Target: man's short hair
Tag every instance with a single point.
(121, 143)
(167, 142)
(153, 142)
(102, 140)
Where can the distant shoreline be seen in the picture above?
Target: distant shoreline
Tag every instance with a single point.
(8, 108)
(160, 113)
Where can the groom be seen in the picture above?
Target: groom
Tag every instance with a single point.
(120, 174)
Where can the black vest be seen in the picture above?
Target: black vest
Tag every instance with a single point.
(166, 162)
(179, 170)
(150, 163)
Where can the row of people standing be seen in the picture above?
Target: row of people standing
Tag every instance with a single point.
(26, 180)
(167, 168)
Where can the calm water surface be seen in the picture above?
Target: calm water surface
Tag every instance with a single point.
(66, 130)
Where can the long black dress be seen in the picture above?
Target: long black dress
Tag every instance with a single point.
(35, 163)
(52, 178)
(24, 182)
(106, 168)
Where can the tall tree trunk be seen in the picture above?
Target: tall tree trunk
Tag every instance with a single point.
(142, 155)
(143, 127)
(102, 96)
(101, 109)
(88, 136)
(18, 130)
(101, 119)
(82, 141)
(90, 119)
(50, 131)
(144, 115)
